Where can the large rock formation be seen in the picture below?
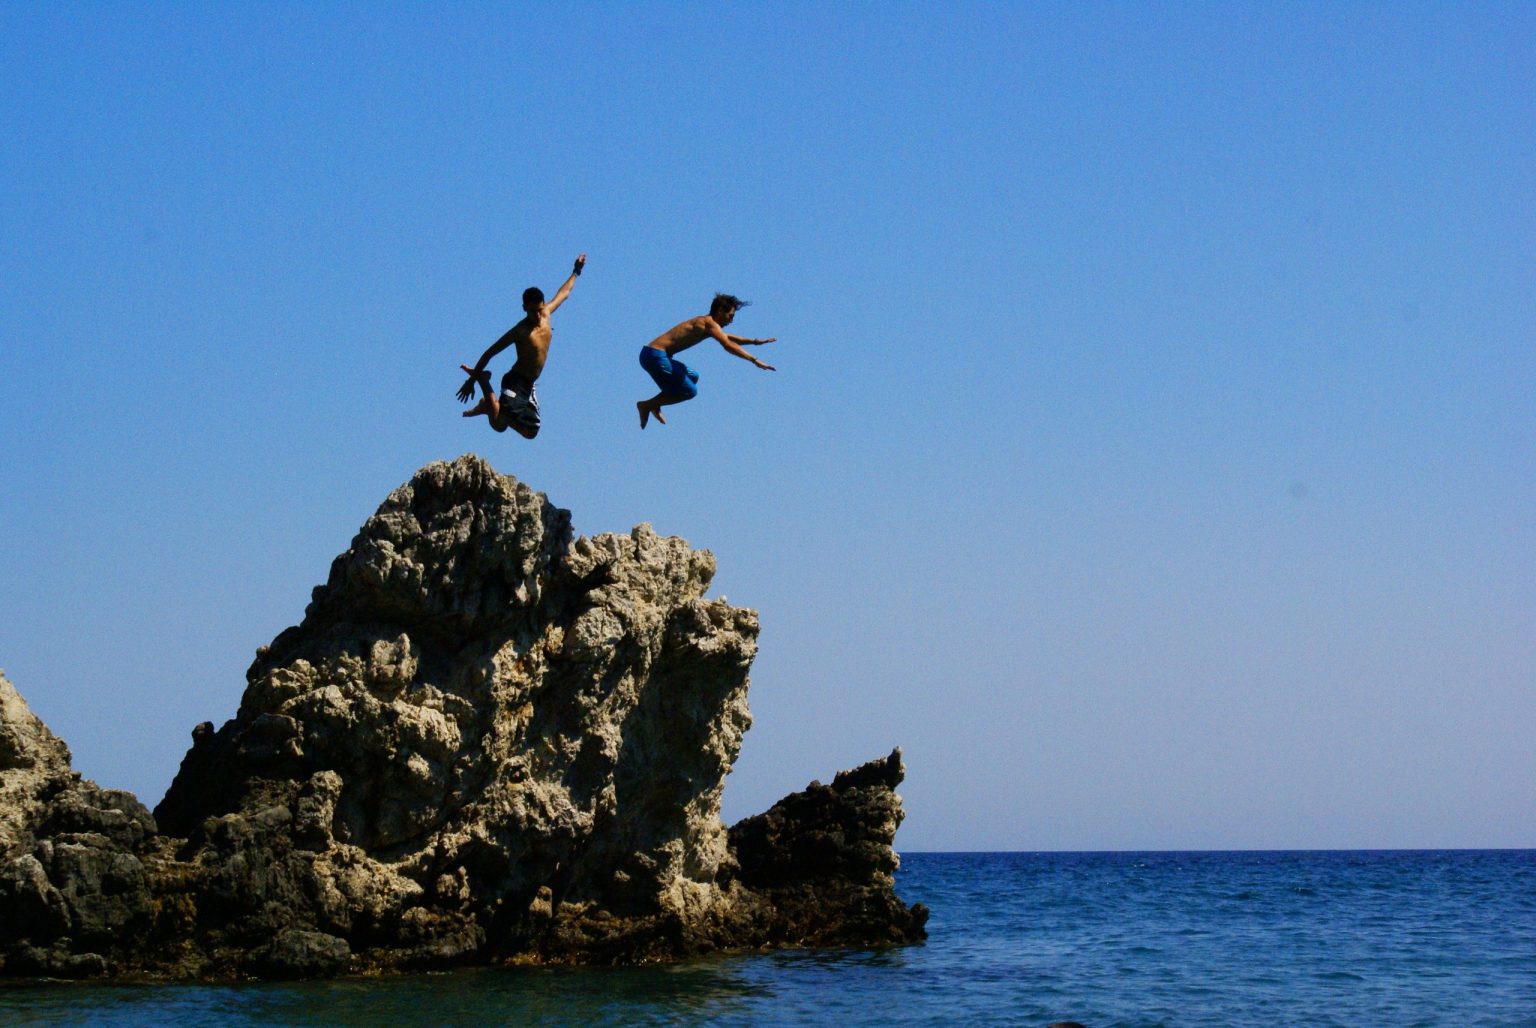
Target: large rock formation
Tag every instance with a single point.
(486, 741)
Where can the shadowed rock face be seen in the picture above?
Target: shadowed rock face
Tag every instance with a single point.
(73, 876)
(487, 740)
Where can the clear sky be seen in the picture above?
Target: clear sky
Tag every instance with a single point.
(1151, 453)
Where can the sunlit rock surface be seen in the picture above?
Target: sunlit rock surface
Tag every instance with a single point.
(487, 741)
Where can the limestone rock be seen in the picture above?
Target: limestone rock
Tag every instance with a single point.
(487, 740)
(73, 878)
(34, 764)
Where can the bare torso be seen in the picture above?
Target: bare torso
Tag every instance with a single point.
(531, 336)
(683, 335)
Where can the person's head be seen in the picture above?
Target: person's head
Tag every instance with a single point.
(724, 307)
(533, 299)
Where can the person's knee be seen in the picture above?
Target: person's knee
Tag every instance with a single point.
(687, 389)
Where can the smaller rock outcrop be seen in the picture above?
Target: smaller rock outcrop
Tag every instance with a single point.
(73, 880)
(830, 847)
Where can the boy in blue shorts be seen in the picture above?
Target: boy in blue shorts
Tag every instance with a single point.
(677, 381)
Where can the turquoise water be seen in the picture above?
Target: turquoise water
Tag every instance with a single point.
(1338, 938)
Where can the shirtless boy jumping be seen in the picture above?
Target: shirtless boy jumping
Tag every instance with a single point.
(518, 408)
(678, 382)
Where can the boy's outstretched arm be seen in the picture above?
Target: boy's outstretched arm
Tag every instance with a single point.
(743, 341)
(565, 290)
(714, 329)
(468, 388)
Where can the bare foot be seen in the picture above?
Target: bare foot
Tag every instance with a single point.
(485, 406)
(483, 376)
(656, 413)
(645, 413)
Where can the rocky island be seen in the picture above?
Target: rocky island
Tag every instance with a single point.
(488, 741)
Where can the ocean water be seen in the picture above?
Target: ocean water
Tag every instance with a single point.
(1181, 939)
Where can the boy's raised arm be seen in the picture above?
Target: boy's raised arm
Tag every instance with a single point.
(565, 290)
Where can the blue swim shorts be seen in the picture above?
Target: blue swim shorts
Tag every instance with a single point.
(673, 376)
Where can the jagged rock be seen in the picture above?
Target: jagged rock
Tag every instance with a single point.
(830, 848)
(34, 766)
(73, 881)
(487, 740)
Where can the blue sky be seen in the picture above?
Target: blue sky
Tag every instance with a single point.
(1151, 450)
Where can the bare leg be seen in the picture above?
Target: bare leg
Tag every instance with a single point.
(489, 405)
(652, 408)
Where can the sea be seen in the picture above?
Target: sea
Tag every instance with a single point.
(1352, 938)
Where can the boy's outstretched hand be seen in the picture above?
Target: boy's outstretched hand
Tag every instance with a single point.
(468, 388)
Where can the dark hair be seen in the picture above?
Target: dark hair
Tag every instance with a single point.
(726, 302)
(532, 296)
